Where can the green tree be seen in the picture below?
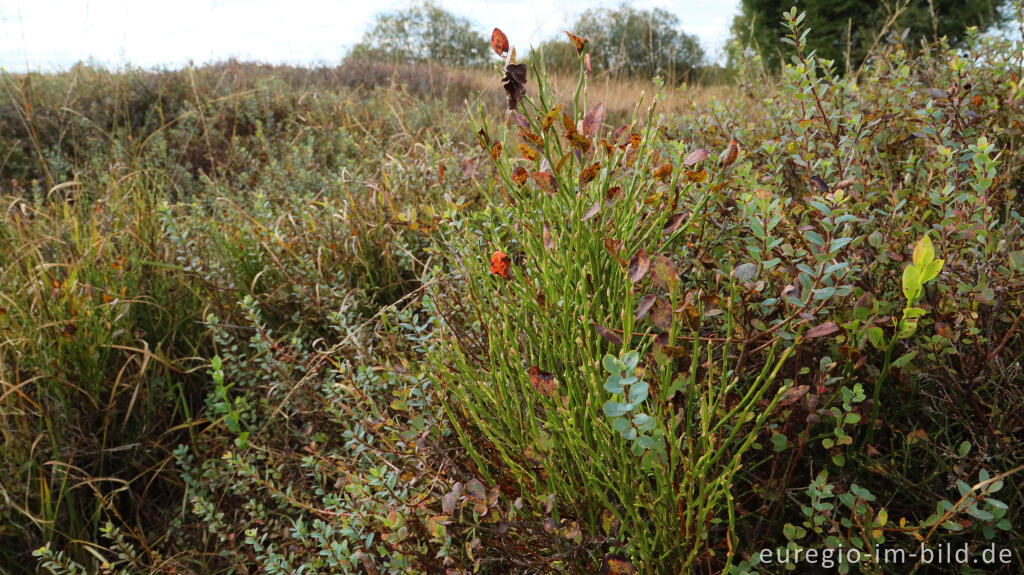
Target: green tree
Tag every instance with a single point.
(423, 33)
(630, 42)
(841, 28)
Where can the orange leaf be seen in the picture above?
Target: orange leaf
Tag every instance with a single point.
(663, 173)
(579, 142)
(546, 181)
(528, 152)
(697, 176)
(519, 175)
(544, 382)
(577, 42)
(495, 150)
(589, 173)
(499, 42)
(499, 264)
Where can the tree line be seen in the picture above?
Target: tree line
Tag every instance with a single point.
(645, 43)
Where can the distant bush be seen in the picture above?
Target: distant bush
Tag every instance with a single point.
(630, 42)
(423, 33)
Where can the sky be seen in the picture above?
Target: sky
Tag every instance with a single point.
(49, 35)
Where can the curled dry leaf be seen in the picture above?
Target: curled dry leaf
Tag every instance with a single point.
(499, 42)
(819, 183)
(483, 139)
(695, 157)
(638, 266)
(515, 84)
(546, 181)
(645, 305)
(613, 194)
(592, 120)
(729, 155)
(543, 381)
(577, 42)
(608, 335)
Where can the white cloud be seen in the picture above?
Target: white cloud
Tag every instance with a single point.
(54, 34)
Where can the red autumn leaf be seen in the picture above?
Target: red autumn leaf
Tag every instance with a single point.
(499, 42)
(695, 157)
(543, 381)
(592, 120)
(827, 328)
(613, 194)
(546, 181)
(645, 305)
(638, 266)
(499, 264)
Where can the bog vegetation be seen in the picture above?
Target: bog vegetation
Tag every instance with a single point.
(370, 319)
